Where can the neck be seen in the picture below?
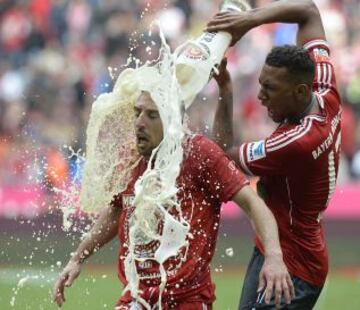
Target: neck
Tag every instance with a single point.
(311, 107)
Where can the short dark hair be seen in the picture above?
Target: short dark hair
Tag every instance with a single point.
(296, 60)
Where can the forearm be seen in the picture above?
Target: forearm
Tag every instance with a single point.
(262, 219)
(265, 227)
(222, 131)
(273, 273)
(301, 12)
(104, 230)
(283, 11)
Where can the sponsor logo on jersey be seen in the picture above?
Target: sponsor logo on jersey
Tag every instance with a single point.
(256, 150)
(321, 54)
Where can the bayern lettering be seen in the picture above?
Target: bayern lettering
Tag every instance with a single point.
(330, 138)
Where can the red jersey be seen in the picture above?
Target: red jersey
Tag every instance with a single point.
(298, 165)
(207, 178)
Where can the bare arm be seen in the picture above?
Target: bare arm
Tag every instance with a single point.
(104, 230)
(274, 273)
(301, 12)
(222, 131)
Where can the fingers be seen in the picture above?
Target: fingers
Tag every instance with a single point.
(291, 287)
(72, 276)
(221, 22)
(58, 292)
(286, 290)
(223, 62)
(218, 27)
(278, 292)
(222, 16)
(221, 67)
(278, 286)
(269, 290)
(262, 282)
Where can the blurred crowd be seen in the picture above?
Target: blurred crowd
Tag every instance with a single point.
(56, 56)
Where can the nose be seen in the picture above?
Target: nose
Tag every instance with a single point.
(140, 121)
(262, 97)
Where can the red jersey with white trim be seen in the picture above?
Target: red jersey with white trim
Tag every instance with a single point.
(207, 178)
(298, 165)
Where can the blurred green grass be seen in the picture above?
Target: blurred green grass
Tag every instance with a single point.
(98, 288)
(37, 256)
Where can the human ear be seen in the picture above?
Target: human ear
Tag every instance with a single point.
(302, 92)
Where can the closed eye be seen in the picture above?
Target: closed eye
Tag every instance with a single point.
(153, 114)
(137, 112)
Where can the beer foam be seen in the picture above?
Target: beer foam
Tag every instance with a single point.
(110, 146)
(111, 156)
(173, 82)
(156, 203)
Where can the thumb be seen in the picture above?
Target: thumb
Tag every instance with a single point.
(70, 279)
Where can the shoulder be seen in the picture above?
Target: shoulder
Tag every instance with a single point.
(203, 154)
(202, 141)
(295, 138)
(200, 146)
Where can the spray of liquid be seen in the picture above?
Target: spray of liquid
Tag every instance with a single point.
(111, 156)
(155, 201)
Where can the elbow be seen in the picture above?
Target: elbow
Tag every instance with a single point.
(310, 9)
(306, 10)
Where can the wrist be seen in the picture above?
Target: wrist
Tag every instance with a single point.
(225, 88)
(273, 254)
(256, 19)
(77, 258)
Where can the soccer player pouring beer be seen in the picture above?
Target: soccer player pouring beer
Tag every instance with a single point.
(298, 162)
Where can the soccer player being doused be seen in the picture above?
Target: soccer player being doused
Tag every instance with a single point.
(207, 178)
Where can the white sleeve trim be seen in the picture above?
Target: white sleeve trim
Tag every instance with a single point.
(243, 160)
(313, 43)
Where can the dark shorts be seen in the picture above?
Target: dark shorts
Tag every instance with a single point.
(306, 294)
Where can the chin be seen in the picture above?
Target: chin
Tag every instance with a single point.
(278, 120)
(140, 150)
(143, 152)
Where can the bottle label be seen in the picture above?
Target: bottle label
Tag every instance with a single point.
(196, 53)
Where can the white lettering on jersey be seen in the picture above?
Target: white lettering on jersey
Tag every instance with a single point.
(335, 122)
(256, 150)
(329, 139)
(323, 146)
(331, 175)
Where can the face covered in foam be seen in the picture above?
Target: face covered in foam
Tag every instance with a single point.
(148, 125)
(156, 131)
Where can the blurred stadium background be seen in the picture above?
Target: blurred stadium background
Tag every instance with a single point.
(55, 57)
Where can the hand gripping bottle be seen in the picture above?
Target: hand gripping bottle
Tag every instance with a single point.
(196, 58)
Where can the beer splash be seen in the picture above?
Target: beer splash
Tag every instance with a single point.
(111, 156)
(173, 82)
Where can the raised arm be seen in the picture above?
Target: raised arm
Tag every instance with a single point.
(274, 274)
(104, 230)
(222, 129)
(301, 12)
